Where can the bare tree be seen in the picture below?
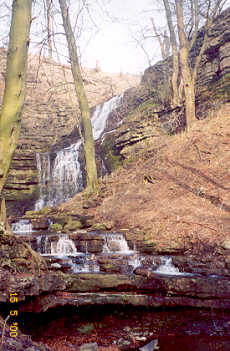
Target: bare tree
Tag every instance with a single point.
(48, 5)
(88, 140)
(14, 94)
(189, 15)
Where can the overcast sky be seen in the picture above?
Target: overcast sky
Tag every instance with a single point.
(113, 45)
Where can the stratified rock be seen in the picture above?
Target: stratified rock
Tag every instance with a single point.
(40, 223)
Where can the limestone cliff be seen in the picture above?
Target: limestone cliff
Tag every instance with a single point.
(50, 115)
(145, 112)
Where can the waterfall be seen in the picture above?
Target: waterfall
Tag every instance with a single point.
(22, 226)
(42, 244)
(167, 267)
(115, 243)
(102, 113)
(61, 178)
(64, 247)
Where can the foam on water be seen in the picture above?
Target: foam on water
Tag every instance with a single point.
(116, 243)
(22, 226)
(64, 247)
(60, 173)
(168, 268)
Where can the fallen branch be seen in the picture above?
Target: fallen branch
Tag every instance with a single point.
(3, 332)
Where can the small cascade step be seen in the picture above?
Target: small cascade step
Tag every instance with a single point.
(22, 226)
(76, 254)
(116, 243)
(64, 247)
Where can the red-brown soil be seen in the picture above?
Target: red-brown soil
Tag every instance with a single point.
(175, 192)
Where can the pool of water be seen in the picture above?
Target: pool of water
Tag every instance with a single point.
(130, 328)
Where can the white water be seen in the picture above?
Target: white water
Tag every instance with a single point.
(167, 267)
(64, 247)
(61, 180)
(43, 244)
(61, 177)
(22, 226)
(102, 113)
(88, 266)
(115, 243)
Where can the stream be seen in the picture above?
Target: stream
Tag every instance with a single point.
(130, 328)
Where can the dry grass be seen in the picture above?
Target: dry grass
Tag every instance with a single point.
(188, 199)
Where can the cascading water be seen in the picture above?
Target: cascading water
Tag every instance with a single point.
(61, 177)
(102, 113)
(115, 243)
(22, 226)
(64, 247)
(167, 267)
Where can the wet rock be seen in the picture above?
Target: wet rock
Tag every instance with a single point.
(73, 225)
(124, 344)
(20, 343)
(226, 244)
(56, 227)
(92, 245)
(114, 265)
(99, 227)
(151, 346)
(40, 224)
(89, 347)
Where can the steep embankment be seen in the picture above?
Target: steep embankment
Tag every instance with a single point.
(50, 116)
(173, 191)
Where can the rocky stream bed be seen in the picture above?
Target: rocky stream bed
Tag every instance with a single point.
(101, 288)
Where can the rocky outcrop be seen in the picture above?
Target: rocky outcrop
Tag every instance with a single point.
(49, 120)
(19, 342)
(40, 285)
(150, 290)
(145, 110)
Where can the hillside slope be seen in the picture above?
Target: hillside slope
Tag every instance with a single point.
(174, 193)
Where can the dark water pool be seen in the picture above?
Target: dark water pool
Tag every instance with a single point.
(130, 328)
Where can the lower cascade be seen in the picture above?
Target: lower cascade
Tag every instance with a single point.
(60, 177)
(64, 246)
(115, 243)
(22, 226)
(114, 248)
(167, 267)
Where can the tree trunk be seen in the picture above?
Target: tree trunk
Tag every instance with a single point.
(174, 79)
(49, 31)
(14, 94)
(190, 109)
(186, 72)
(89, 148)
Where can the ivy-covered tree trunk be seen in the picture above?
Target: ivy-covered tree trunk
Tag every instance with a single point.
(89, 149)
(14, 94)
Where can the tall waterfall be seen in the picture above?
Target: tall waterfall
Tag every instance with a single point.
(61, 177)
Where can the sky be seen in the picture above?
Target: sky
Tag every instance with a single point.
(113, 39)
(114, 46)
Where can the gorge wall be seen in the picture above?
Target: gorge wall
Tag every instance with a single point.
(49, 118)
(145, 111)
(143, 115)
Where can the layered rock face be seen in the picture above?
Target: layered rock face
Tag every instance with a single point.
(51, 281)
(50, 118)
(145, 110)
